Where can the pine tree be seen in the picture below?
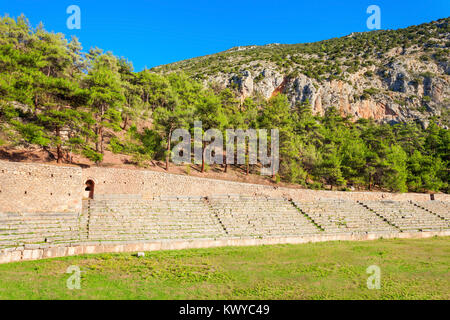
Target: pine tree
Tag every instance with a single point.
(176, 113)
(132, 107)
(105, 95)
(394, 169)
(277, 115)
(209, 110)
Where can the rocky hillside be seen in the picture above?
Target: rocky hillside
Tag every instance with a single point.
(388, 75)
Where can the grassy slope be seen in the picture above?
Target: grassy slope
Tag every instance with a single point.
(410, 269)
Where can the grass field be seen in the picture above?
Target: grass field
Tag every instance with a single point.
(410, 269)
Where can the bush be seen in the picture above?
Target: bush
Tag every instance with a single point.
(92, 155)
(426, 98)
(116, 146)
(141, 160)
(371, 91)
(258, 78)
(277, 178)
(315, 186)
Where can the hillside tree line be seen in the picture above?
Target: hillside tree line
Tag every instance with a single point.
(55, 97)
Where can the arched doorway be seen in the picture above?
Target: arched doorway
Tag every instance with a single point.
(89, 189)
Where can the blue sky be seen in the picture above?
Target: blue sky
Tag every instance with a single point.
(151, 33)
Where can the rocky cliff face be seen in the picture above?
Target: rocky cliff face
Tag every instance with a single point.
(394, 95)
(406, 79)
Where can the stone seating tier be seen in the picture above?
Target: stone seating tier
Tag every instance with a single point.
(131, 218)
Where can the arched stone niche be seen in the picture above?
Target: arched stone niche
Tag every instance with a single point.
(89, 188)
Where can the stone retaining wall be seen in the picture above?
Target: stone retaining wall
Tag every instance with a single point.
(35, 252)
(33, 187)
(150, 184)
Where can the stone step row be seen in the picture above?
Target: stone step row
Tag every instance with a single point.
(149, 216)
(251, 216)
(178, 217)
(35, 224)
(131, 219)
(406, 215)
(6, 232)
(337, 216)
(155, 228)
(40, 239)
(133, 236)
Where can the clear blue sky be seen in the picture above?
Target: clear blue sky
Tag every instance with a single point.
(151, 33)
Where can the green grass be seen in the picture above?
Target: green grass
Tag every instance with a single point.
(410, 269)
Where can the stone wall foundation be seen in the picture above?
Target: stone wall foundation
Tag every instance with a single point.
(21, 254)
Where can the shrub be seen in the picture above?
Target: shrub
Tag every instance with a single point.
(141, 160)
(315, 186)
(92, 155)
(116, 146)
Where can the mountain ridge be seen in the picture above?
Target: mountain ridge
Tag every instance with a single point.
(388, 75)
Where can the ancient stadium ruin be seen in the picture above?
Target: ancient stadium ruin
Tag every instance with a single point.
(51, 211)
